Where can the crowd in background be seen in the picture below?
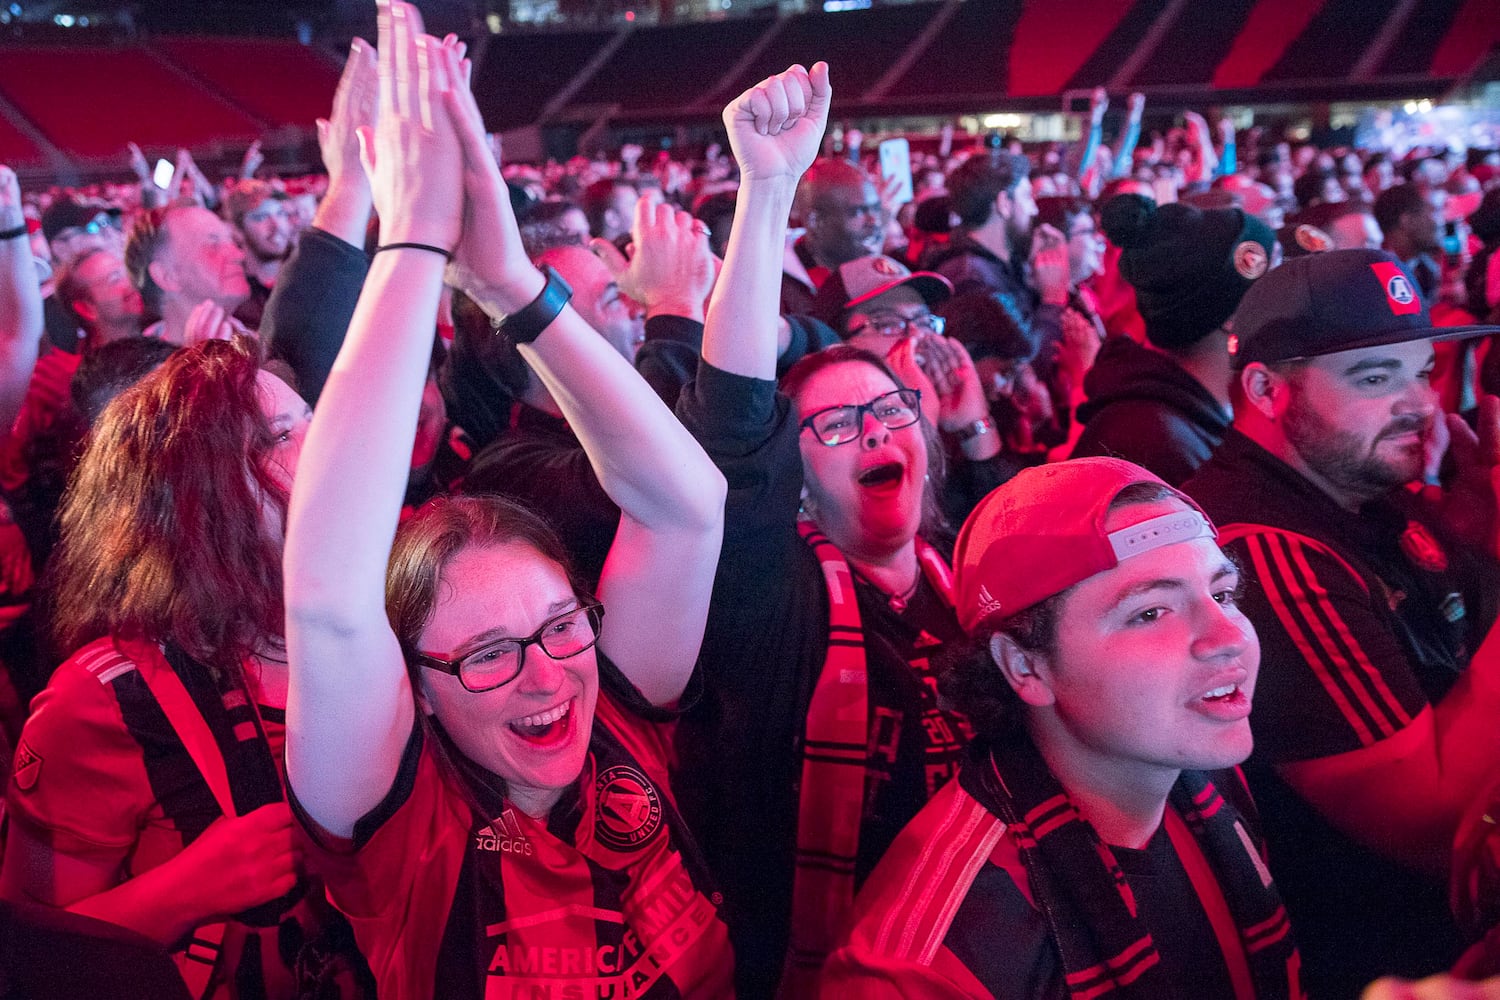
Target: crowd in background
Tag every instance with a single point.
(279, 445)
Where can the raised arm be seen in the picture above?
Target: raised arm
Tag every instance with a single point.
(345, 210)
(775, 129)
(671, 497)
(1098, 105)
(1124, 161)
(350, 707)
(309, 310)
(20, 302)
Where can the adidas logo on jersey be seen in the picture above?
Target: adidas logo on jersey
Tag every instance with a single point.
(503, 836)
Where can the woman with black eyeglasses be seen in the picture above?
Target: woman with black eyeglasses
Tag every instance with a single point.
(477, 751)
(819, 734)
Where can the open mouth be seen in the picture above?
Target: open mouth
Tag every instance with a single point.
(884, 474)
(1225, 693)
(546, 728)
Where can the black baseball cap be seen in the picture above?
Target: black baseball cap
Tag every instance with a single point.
(1338, 300)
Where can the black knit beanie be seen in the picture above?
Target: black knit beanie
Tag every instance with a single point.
(1189, 266)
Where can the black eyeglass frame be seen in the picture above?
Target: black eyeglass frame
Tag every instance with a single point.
(593, 609)
(912, 398)
(931, 324)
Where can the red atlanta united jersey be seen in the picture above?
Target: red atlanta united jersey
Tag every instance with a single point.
(606, 898)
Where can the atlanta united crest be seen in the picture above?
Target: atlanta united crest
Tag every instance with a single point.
(628, 808)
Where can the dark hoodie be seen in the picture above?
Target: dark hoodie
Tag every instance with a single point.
(1143, 407)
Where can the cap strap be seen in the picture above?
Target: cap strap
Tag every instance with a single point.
(1168, 529)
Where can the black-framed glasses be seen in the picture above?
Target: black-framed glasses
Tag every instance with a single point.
(896, 325)
(499, 662)
(836, 425)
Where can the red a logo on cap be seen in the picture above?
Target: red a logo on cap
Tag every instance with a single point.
(1399, 293)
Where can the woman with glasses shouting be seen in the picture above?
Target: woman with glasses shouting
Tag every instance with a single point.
(477, 750)
(819, 734)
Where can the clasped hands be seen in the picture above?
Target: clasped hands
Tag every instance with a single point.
(433, 177)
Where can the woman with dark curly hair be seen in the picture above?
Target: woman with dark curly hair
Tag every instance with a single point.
(147, 789)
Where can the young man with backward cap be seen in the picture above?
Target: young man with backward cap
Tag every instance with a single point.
(1376, 719)
(1097, 842)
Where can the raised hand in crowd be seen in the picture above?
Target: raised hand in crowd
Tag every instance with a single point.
(775, 130)
(152, 194)
(671, 268)
(252, 161)
(1201, 140)
(1081, 340)
(1098, 105)
(188, 182)
(953, 398)
(139, 165)
(1469, 501)
(21, 323)
(345, 209)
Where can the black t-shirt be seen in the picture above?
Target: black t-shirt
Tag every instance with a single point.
(1190, 952)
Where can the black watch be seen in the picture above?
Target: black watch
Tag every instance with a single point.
(527, 323)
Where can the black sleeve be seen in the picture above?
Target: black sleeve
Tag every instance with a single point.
(669, 357)
(967, 482)
(628, 696)
(473, 390)
(809, 336)
(311, 306)
(748, 428)
(1140, 431)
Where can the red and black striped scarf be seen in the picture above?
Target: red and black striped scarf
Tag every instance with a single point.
(835, 752)
(1105, 946)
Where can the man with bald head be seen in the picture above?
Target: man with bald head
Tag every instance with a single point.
(844, 220)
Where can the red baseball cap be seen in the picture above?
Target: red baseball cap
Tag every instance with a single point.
(1043, 532)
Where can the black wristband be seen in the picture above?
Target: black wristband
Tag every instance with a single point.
(445, 254)
(527, 323)
(16, 233)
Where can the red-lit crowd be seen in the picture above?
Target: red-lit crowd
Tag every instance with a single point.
(1051, 573)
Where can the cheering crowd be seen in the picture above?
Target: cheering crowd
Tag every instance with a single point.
(446, 580)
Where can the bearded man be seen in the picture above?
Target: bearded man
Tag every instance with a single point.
(1372, 594)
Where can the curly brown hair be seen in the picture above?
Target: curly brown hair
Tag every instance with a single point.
(163, 527)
